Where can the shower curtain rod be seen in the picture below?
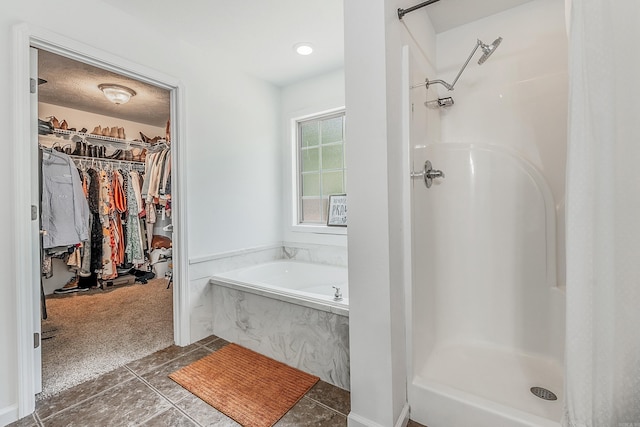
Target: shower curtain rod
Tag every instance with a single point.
(402, 12)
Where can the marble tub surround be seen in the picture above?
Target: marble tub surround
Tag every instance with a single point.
(140, 394)
(317, 254)
(202, 268)
(312, 340)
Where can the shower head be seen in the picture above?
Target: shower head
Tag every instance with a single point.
(488, 50)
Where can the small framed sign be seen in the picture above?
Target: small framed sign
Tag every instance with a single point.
(337, 210)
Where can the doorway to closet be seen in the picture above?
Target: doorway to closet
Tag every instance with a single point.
(106, 242)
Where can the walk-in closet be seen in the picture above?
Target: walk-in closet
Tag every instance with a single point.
(104, 144)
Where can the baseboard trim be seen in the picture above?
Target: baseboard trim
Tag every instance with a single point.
(355, 420)
(403, 419)
(8, 415)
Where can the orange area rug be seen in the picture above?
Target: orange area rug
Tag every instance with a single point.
(254, 390)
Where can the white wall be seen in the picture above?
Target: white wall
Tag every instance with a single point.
(518, 98)
(312, 96)
(373, 68)
(233, 142)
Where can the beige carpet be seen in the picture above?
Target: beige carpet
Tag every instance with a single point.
(90, 333)
(253, 389)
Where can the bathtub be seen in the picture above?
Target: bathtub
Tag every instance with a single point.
(302, 283)
(287, 310)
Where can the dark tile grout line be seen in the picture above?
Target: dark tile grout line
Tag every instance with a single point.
(84, 400)
(115, 385)
(158, 392)
(36, 419)
(171, 404)
(325, 405)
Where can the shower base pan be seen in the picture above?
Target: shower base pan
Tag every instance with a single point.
(462, 385)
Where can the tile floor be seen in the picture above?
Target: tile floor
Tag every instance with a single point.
(141, 394)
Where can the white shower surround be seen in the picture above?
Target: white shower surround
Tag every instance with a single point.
(485, 317)
(485, 288)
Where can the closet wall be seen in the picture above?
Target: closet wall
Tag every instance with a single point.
(79, 119)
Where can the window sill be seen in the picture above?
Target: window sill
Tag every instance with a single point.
(319, 229)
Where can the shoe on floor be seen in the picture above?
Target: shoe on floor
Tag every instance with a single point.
(70, 287)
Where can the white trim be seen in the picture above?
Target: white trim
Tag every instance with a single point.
(318, 229)
(407, 212)
(24, 37)
(294, 203)
(318, 115)
(355, 420)
(22, 222)
(181, 315)
(403, 419)
(8, 415)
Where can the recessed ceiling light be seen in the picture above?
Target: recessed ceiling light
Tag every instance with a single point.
(303, 48)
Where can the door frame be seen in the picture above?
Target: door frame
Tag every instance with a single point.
(26, 36)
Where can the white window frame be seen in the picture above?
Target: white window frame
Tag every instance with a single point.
(296, 182)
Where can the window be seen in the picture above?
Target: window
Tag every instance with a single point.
(321, 165)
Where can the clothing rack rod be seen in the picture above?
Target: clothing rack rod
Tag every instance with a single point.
(402, 12)
(83, 161)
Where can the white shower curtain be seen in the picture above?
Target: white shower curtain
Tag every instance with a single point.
(603, 216)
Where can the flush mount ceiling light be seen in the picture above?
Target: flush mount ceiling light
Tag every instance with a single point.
(303, 48)
(116, 93)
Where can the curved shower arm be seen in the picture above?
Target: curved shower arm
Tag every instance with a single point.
(450, 86)
(442, 82)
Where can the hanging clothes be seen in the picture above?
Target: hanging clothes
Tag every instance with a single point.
(96, 227)
(134, 249)
(109, 269)
(156, 190)
(120, 206)
(65, 212)
(91, 223)
(158, 170)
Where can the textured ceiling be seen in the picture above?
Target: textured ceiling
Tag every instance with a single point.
(74, 85)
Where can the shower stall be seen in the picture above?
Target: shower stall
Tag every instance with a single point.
(485, 315)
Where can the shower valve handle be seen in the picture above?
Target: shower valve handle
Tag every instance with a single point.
(429, 174)
(434, 173)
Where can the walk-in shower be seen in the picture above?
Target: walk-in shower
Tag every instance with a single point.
(485, 318)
